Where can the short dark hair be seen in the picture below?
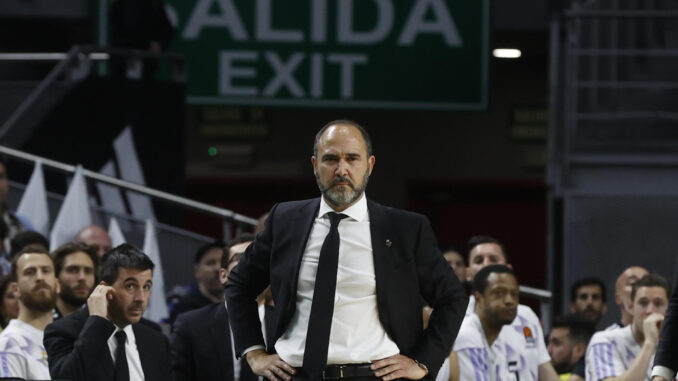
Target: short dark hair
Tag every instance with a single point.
(581, 329)
(587, 282)
(125, 255)
(30, 249)
(651, 280)
(24, 239)
(4, 283)
(240, 238)
(205, 248)
(481, 239)
(363, 132)
(480, 279)
(60, 254)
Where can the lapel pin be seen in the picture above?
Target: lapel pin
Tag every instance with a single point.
(388, 243)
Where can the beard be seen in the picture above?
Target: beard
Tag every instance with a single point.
(564, 366)
(36, 300)
(338, 198)
(69, 297)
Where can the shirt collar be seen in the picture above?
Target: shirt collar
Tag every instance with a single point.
(129, 331)
(357, 211)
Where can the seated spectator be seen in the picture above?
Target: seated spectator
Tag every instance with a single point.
(480, 353)
(195, 344)
(103, 342)
(587, 299)
(22, 353)
(75, 265)
(9, 307)
(625, 353)
(14, 222)
(535, 363)
(206, 272)
(97, 238)
(567, 344)
(456, 261)
(23, 239)
(622, 293)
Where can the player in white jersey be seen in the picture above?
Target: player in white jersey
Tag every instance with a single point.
(22, 353)
(479, 354)
(529, 359)
(626, 353)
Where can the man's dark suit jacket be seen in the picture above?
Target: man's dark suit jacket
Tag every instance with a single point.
(77, 349)
(191, 301)
(667, 350)
(407, 265)
(200, 347)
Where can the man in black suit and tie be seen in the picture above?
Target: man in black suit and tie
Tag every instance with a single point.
(666, 357)
(104, 341)
(347, 276)
(202, 337)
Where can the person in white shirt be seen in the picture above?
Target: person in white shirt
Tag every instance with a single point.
(626, 353)
(479, 354)
(348, 277)
(22, 354)
(531, 361)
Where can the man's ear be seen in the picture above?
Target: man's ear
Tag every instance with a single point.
(469, 278)
(370, 162)
(509, 266)
(578, 351)
(314, 163)
(479, 300)
(223, 276)
(604, 309)
(573, 309)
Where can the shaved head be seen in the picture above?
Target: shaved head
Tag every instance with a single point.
(96, 237)
(622, 294)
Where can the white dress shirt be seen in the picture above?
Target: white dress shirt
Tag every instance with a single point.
(356, 334)
(136, 373)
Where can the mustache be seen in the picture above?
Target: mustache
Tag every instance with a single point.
(41, 285)
(342, 179)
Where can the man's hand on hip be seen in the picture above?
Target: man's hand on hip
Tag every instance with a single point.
(269, 366)
(397, 366)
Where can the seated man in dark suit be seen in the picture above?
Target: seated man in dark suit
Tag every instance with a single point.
(202, 337)
(208, 289)
(103, 342)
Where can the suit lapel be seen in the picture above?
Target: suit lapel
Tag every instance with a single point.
(220, 335)
(144, 347)
(307, 215)
(380, 229)
(299, 235)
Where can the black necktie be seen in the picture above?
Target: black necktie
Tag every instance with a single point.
(322, 308)
(121, 372)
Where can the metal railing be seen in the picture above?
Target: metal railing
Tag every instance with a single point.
(228, 216)
(76, 64)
